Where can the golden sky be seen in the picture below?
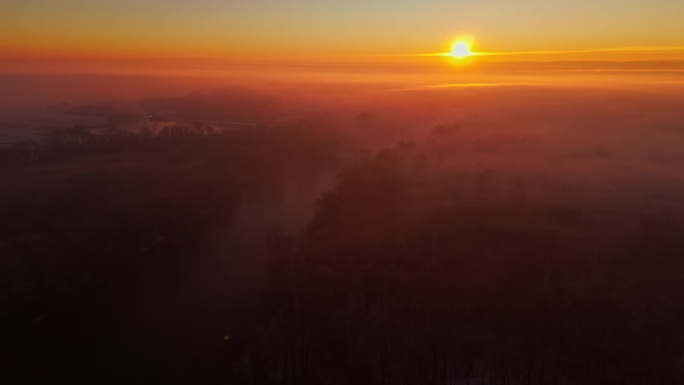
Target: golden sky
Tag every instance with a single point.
(220, 29)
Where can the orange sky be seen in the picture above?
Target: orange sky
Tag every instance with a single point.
(41, 32)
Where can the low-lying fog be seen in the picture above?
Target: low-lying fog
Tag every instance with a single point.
(583, 134)
(622, 119)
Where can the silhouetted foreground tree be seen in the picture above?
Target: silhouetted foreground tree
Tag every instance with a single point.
(414, 270)
(400, 279)
(87, 220)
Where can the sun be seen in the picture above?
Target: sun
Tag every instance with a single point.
(461, 50)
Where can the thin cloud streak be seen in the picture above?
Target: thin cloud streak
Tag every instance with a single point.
(621, 50)
(469, 85)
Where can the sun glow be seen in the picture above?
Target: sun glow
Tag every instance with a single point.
(461, 50)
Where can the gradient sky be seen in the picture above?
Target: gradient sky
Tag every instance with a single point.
(226, 28)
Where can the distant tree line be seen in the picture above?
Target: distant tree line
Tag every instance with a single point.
(82, 140)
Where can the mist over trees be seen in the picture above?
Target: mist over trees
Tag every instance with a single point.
(532, 246)
(398, 281)
(87, 219)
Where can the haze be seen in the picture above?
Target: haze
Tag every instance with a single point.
(264, 192)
